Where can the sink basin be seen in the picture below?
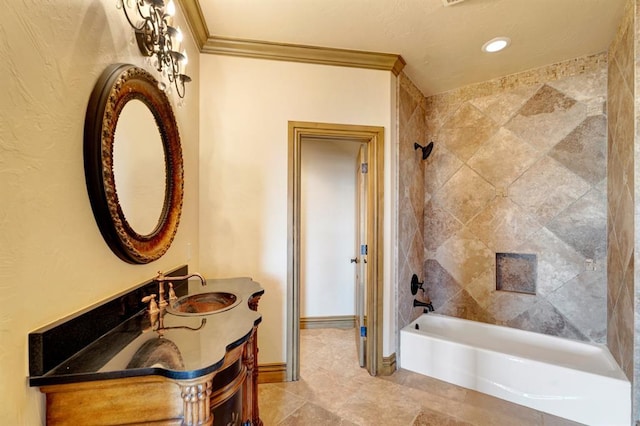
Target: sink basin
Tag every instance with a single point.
(204, 303)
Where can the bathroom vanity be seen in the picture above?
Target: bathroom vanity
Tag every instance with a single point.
(116, 363)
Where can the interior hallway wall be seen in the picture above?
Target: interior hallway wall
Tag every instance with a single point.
(328, 227)
(519, 167)
(53, 259)
(246, 105)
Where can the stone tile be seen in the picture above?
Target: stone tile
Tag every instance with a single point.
(624, 56)
(276, 403)
(545, 318)
(547, 118)
(584, 87)
(368, 408)
(557, 261)
(482, 289)
(439, 168)
(407, 224)
(465, 194)
(625, 133)
(428, 417)
(407, 105)
(546, 189)
(623, 224)
(416, 195)
(405, 299)
(465, 131)
(503, 158)
(617, 90)
(583, 225)
(401, 399)
(623, 322)
(503, 225)
(493, 411)
(465, 257)
(412, 164)
(427, 384)
(584, 150)
(438, 284)
(500, 107)
(505, 306)
(615, 273)
(439, 225)
(615, 183)
(311, 414)
(582, 301)
(596, 106)
(415, 258)
(462, 305)
(516, 272)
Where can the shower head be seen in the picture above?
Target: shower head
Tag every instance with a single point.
(426, 150)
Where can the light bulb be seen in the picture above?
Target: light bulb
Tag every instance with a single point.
(171, 8)
(496, 44)
(185, 61)
(179, 36)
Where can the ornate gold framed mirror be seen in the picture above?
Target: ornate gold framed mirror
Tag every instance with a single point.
(133, 163)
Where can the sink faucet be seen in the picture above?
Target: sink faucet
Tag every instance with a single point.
(161, 278)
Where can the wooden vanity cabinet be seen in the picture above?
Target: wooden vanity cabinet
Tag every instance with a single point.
(228, 396)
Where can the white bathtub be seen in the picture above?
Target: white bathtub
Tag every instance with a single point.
(575, 380)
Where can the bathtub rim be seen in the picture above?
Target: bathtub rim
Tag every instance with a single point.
(614, 374)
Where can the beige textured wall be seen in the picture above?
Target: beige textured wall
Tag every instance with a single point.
(410, 258)
(246, 106)
(53, 260)
(519, 166)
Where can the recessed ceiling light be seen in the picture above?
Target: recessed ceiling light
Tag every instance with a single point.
(496, 44)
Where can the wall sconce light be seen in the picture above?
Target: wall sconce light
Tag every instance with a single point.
(157, 38)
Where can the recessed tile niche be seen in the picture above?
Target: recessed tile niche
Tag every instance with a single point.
(516, 272)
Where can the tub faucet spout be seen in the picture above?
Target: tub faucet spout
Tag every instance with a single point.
(428, 307)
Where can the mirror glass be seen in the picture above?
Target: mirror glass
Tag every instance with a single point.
(139, 167)
(133, 164)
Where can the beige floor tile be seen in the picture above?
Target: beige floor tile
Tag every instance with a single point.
(276, 403)
(334, 390)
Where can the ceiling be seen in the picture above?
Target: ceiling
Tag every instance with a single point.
(441, 45)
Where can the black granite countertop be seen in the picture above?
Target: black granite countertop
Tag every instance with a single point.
(174, 346)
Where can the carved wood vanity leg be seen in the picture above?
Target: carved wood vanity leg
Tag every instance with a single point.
(195, 398)
(251, 411)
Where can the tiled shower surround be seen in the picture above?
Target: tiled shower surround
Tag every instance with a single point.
(519, 166)
(623, 234)
(412, 129)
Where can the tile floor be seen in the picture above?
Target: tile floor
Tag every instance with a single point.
(333, 391)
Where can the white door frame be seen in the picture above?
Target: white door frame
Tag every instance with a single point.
(373, 136)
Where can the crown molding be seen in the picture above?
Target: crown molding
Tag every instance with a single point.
(302, 53)
(282, 51)
(195, 20)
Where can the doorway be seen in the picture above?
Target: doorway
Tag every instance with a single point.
(370, 254)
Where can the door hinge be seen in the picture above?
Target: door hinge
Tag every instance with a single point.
(363, 331)
(364, 250)
(364, 168)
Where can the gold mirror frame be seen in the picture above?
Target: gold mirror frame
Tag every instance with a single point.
(119, 84)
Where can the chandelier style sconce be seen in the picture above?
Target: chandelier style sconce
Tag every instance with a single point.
(152, 22)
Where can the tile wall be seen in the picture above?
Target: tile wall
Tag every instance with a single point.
(520, 166)
(411, 129)
(621, 198)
